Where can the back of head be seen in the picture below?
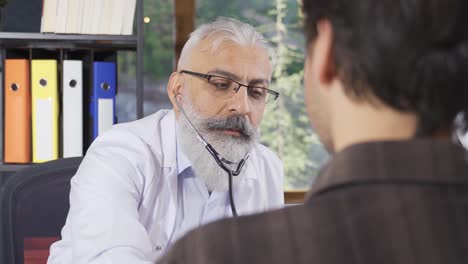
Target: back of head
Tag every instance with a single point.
(223, 30)
(410, 54)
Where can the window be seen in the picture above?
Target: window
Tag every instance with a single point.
(158, 63)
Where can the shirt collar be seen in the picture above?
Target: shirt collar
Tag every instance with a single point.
(182, 161)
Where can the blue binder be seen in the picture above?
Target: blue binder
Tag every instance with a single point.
(102, 103)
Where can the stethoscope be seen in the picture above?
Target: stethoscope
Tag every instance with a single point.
(220, 160)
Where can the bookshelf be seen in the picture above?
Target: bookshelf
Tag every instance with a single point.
(108, 45)
(6, 36)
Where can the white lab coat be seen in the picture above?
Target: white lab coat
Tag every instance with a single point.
(124, 197)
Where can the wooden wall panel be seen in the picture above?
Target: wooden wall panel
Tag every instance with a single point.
(294, 197)
(184, 12)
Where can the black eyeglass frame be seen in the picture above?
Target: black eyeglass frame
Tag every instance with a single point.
(209, 76)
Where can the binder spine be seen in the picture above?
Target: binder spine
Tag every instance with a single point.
(17, 111)
(45, 110)
(102, 106)
(72, 108)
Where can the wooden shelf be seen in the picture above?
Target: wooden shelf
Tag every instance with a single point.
(40, 40)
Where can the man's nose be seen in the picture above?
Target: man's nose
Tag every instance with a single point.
(240, 102)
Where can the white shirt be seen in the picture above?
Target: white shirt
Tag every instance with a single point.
(135, 194)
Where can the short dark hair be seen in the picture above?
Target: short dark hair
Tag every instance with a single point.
(410, 54)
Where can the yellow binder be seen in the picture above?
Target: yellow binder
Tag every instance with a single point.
(45, 112)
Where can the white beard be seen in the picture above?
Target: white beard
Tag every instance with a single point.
(231, 148)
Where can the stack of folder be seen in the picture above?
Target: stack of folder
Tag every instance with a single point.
(33, 106)
(113, 17)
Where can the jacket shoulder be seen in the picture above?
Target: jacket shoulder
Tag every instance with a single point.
(260, 238)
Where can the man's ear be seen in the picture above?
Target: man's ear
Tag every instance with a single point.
(174, 88)
(321, 50)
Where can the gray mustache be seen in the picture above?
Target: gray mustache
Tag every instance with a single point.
(233, 122)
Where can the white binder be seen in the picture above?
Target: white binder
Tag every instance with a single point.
(72, 108)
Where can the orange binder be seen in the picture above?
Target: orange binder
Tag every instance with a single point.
(17, 111)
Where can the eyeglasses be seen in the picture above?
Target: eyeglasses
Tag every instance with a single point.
(223, 87)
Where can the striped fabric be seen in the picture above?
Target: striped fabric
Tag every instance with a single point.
(384, 202)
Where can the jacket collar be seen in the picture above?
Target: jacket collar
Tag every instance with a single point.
(413, 161)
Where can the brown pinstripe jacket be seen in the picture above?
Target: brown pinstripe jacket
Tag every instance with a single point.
(376, 203)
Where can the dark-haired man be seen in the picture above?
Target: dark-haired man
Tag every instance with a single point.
(384, 81)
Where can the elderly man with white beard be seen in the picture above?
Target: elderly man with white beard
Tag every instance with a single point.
(146, 183)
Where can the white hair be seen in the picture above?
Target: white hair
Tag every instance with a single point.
(223, 30)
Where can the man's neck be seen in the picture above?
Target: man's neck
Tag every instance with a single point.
(361, 123)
